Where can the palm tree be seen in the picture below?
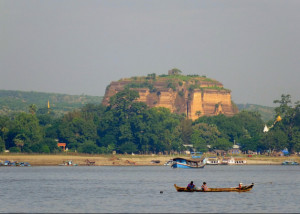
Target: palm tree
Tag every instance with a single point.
(19, 142)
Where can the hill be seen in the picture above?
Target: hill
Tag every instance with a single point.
(267, 113)
(15, 101)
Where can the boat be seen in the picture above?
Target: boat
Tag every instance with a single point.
(13, 163)
(289, 162)
(229, 189)
(194, 163)
(68, 163)
(155, 161)
(240, 161)
(233, 161)
(228, 161)
(169, 162)
(212, 161)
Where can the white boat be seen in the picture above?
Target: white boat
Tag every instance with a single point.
(228, 161)
(212, 161)
(233, 161)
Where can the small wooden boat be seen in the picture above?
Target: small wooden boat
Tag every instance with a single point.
(229, 189)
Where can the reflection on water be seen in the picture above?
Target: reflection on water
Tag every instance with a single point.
(136, 189)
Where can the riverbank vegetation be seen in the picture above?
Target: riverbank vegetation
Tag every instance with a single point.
(127, 126)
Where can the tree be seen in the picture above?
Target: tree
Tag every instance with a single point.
(250, 122)
(26, 129)
(89, 147)
(32, 109)
(186, 130)
(199, 143)
(5, 125)
(123, 99)
(275, 140)
(45, 149)
(19, 141)
(290, 119)
(252, 144)
(151, 76)
(128, 147)
(284, 106)
(2, 145)
(176, 71)
(51, 144)
(222, 144)
(74, 130)
(296, 141)
(204, 135)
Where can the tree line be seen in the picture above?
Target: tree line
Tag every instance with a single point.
(128, 126)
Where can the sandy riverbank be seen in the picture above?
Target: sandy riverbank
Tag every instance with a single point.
(121, 160)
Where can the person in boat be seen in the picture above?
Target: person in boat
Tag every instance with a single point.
(240, 185)
(204, 187)
(191, 186)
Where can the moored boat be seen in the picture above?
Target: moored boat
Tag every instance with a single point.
(212, 161)
(185, 163)
(13, 163)
(290, 162)
(68, 163)
(227, 161)
(169, 162)
(229, 189)
(233, 161)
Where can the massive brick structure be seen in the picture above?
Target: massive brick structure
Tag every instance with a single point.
(194, 96)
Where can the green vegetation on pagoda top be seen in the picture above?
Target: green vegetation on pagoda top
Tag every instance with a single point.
(174, 79)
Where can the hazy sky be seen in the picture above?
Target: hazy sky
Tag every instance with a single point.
(79, 47)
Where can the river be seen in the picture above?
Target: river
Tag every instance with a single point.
(137, 189)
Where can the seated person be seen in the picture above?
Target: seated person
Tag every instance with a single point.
(204, 187)
(191, 186)
(240, 186)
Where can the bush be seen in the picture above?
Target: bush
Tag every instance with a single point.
(128, 147)
(89, 147)
(181, 93)
(14, 150)
(45, 149)
(51, 144)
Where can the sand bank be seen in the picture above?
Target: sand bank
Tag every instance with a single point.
(121, 160)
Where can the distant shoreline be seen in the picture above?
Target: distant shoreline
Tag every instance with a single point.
(122, 160)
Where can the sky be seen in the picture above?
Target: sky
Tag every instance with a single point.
(79, 47)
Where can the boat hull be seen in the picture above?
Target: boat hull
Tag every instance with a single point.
(290, 163)
(185, 166)
(230, 189)
(194, 163)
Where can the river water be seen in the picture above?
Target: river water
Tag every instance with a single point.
(136, 189)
